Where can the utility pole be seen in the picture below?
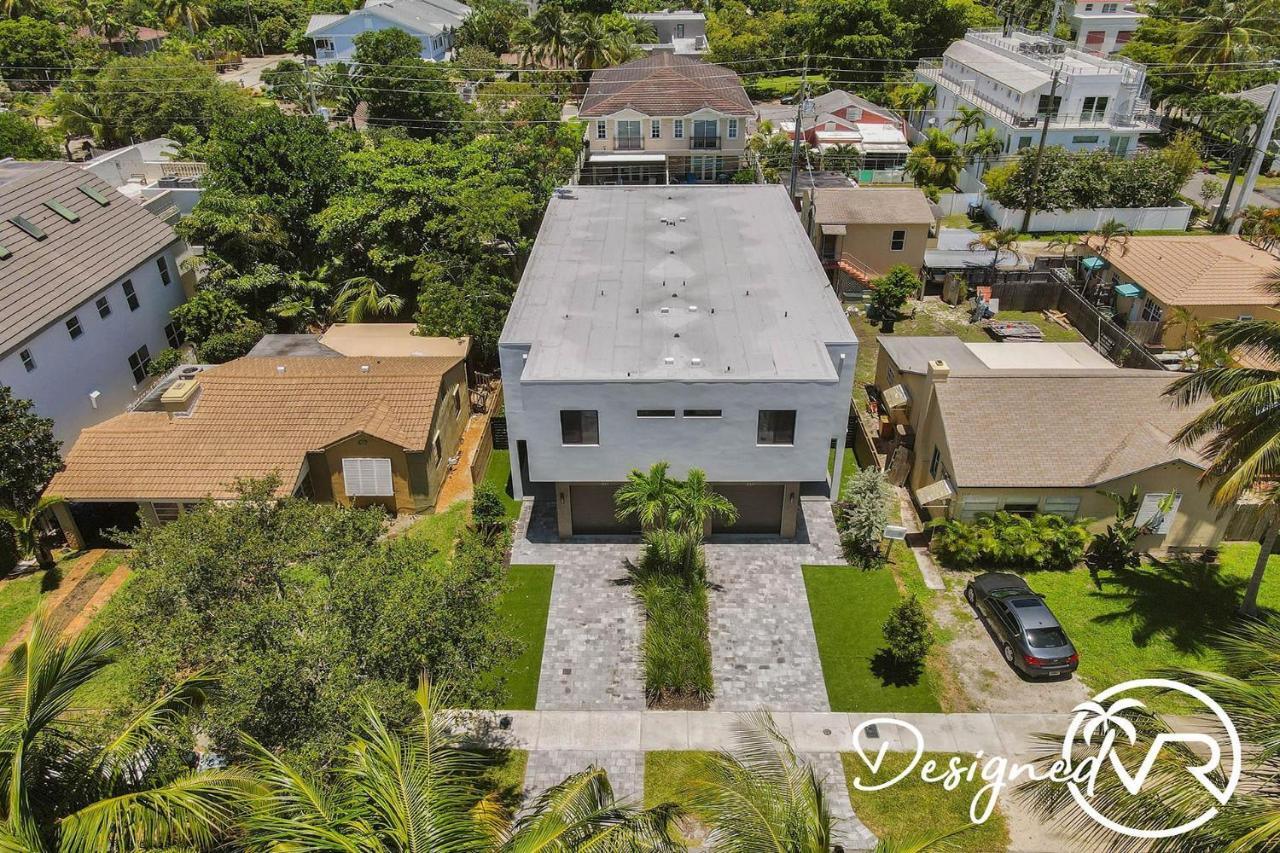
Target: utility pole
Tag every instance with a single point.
(311, 91)
(799, 129)
(1035, 167)
(1260, 146)
(1220, 215)
(1053, 19)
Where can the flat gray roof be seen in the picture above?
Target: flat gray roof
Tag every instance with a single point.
(699, 283)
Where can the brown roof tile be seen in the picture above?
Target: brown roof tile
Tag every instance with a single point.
(665, 84)
(1209, 270)
(871, 206)
(251, 420)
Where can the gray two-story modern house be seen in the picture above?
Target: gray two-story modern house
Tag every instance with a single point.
(692, 325)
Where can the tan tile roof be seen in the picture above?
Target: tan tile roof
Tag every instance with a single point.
(1065, 428)
(389, 339)
(1210, 270)
(250, 420)
(666, 84)
(871, 206)
(45, 279)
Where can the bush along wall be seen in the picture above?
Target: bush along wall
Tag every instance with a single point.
(1004, 541)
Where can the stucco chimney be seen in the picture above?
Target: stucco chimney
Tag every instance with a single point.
(939, 371)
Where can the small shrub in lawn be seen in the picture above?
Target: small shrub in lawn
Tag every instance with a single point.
(487, 510)
(1009, 541)
(861, 517)
(908, 637)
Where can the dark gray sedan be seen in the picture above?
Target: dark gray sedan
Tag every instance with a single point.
(1029, 635)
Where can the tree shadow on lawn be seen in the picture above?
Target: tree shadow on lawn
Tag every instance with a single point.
(1185, 601)
(893, 672)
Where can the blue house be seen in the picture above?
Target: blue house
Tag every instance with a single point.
(432, 22)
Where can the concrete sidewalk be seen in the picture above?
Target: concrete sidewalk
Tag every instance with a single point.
(1009, 735)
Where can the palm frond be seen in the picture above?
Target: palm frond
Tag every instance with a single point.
(120, 755)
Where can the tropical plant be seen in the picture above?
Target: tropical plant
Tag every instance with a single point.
(694, 505)
(891, 291)
(29, 454)
(192, 14)
(65, 787)
(1237, 430)
(1248, 689)
(1261, 226)
(1226, 31)
(487, 511)
(1210, 191)
(342, 84)
(647, 497)
(552, 34)
(861, 514)
(912, 98)
(1115, 549)
(1110, 236)
(995, 242)
(1003, 540)
(361, 298)
(935, 162)
(985, 147)
(843, 157)
(1067, 242)
(966, 119)
(31, 538)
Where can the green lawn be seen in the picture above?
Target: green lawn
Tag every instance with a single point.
(1160, 616)
(498, 474)
(915, 810)
(440, 529)
(524, 605)
(848, 607)
(669, 776)
(18, 600)
(502, 775)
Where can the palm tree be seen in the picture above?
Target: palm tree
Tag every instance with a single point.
(1248, 690)
(192, 14)
(61, 790)
(843, 157)
(1260, 226)
(694, 505)
(647, 498)
(935, 162)
(966, 119)
(985, 147)
(1065, 241)
(1226, 31)
(1239, 431)
(911, 97)
(589, 44)
(552, 27)
(416, 789)
(362, 297)
(342, 84)
(1107, 237)
(1003, 240)
(26, 528)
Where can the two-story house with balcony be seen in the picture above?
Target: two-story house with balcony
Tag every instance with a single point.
(666, 118)
(431, 22)
(87, 280)
(1099, 103)
(679, 30)
(691, 325)
(1104, 28)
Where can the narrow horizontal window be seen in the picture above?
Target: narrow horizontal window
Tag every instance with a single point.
(655, 413)
(702, 413)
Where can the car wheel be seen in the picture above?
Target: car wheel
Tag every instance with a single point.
(1008, 652)
(971, 594)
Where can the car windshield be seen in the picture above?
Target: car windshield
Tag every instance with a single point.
(1046, 638)
(1027, 602)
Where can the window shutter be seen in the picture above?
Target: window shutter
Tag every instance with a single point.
(1151, 508)
(367, 478)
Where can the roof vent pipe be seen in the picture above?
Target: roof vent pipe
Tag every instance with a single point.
(364, 368)
(280, 370)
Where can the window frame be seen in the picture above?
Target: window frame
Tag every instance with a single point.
(677, 128)
(602, 129)
(767, 434)
(585, 417)
(130, 294)
(139, 361)
(655, 128)
(162, 264)
(898, 240)
(935, 461)
(363, 471)
(731, 130)
(103, 304)
(703, 414)
(655, 414)
(74, 329)
(1152, 312)
(28, 360)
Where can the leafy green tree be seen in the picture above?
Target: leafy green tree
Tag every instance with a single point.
(861, 514)
(402, 90)
(487, 510)
(891, 291)
(33, 52)
(23, 140)
(165, 360)
(241, 231)
(472, 302)
(192, 14)
(65, 787)
(647, 497)
(907, 632)
(143, 97)
(29, 454)
(208, 313)
(26, 529)
(339, 84)
(222, 347)
(286, 81)
(936, 162)
(490, 26)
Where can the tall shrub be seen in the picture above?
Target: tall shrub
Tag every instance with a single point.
(862, 515)
(1009, 541)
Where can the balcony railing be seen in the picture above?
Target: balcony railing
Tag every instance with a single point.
(705, 143)
(628, 143)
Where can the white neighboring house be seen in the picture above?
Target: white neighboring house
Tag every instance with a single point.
(680, 30)
(87, 280)
(1101, 103)
(149, 173)
(687, 324)
(1104, 28)
(432, 22)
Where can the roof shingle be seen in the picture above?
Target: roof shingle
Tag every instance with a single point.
(666, 84)
(1210, 270)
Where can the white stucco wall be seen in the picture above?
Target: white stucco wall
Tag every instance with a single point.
(68, 371)
(725, 447)
(344, 44)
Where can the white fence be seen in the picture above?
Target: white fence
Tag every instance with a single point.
(951, 203)
(1135, 218)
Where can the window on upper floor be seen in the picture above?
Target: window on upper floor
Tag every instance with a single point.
(172, 335)
(655, 128)
(130, 295)
(677, 128)
(627, 134)
(679, 31)
(163, 266)
(1109, 8)
(73, 327)
(776, 426)
(898, 240)
(602, 129)
(28, 361)
(1152, 312)
(103, 306)
(733, 128)
(655, 413)
(702, 413)
(1048, 106)
(1094, 108)
(139, 362)
(579, 426)
(324, 44)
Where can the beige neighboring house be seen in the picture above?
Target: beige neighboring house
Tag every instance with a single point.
(358, 431)
(860, 232)
(1041, 428)
(1215, 278)
(666, 118)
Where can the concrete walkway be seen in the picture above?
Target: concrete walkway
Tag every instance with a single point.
(915, 539)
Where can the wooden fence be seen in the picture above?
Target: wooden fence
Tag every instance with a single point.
(1107, 338)
(480, 461)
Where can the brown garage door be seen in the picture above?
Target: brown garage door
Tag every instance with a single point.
(592, 508)
(759, 507)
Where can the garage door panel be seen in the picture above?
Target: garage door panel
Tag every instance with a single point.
(759, 507)
(593, 512)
